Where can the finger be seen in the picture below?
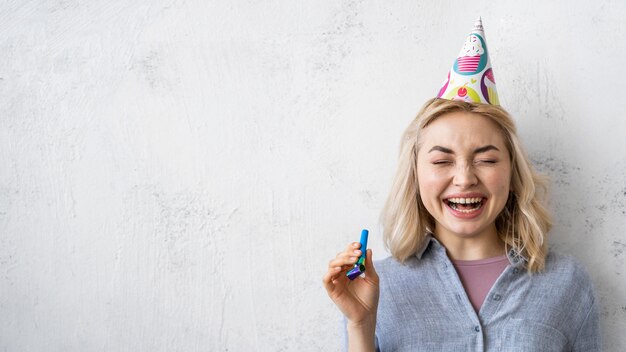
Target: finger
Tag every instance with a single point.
(343, 261)
(349, 252)
(347, 258)
(332, 278)
(352, 246)
(328, 278)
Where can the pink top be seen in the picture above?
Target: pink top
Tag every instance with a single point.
(478, 276)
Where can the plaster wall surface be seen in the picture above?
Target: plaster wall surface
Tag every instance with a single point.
(175, 175)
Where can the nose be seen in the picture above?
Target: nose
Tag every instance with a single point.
(464, 176)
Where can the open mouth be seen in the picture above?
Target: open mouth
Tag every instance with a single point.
(465, 205)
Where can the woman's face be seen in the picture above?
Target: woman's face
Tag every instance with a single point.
(464, 174)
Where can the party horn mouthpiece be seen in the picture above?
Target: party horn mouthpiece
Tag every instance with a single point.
(359, 266)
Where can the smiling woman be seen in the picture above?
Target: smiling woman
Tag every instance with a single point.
(466, 226)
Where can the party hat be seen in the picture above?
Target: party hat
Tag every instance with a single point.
(471, 78)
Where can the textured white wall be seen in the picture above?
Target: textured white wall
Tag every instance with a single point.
(175, 175)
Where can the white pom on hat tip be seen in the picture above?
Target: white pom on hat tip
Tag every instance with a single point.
(478, 25)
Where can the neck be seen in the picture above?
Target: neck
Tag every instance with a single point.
(484, 245)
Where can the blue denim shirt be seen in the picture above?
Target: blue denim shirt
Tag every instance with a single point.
(423, 307)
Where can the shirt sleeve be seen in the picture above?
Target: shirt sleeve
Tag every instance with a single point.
(589, 337)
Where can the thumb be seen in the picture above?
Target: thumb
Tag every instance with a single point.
(369, 264)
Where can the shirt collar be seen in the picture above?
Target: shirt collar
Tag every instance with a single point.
(426, 245)
(516, 258)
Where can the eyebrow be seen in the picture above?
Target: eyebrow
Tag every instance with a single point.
(476, 151)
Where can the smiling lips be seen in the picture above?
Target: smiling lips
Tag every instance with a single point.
(465, 207)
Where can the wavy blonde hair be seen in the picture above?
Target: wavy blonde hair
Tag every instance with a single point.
(524, 222)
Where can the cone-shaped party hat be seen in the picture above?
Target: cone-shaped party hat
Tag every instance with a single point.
(471, 77)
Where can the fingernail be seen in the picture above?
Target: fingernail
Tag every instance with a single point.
(355, 245)
(357, 252)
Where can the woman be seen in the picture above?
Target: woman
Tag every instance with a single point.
(470, 269)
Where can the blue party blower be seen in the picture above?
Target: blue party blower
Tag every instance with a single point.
(359, 266)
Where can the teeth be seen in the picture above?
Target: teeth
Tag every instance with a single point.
(464, 200)
(453, 206)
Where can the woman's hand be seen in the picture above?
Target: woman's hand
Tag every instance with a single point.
(357, 299)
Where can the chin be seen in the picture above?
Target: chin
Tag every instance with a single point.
(466, 232)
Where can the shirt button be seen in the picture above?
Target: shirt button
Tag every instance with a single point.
(497, 297)
(477, 328)
(515, 271)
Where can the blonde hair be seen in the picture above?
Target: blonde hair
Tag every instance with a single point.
(524, 222)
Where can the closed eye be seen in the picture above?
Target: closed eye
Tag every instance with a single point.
(441, 162)
(486, 161)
